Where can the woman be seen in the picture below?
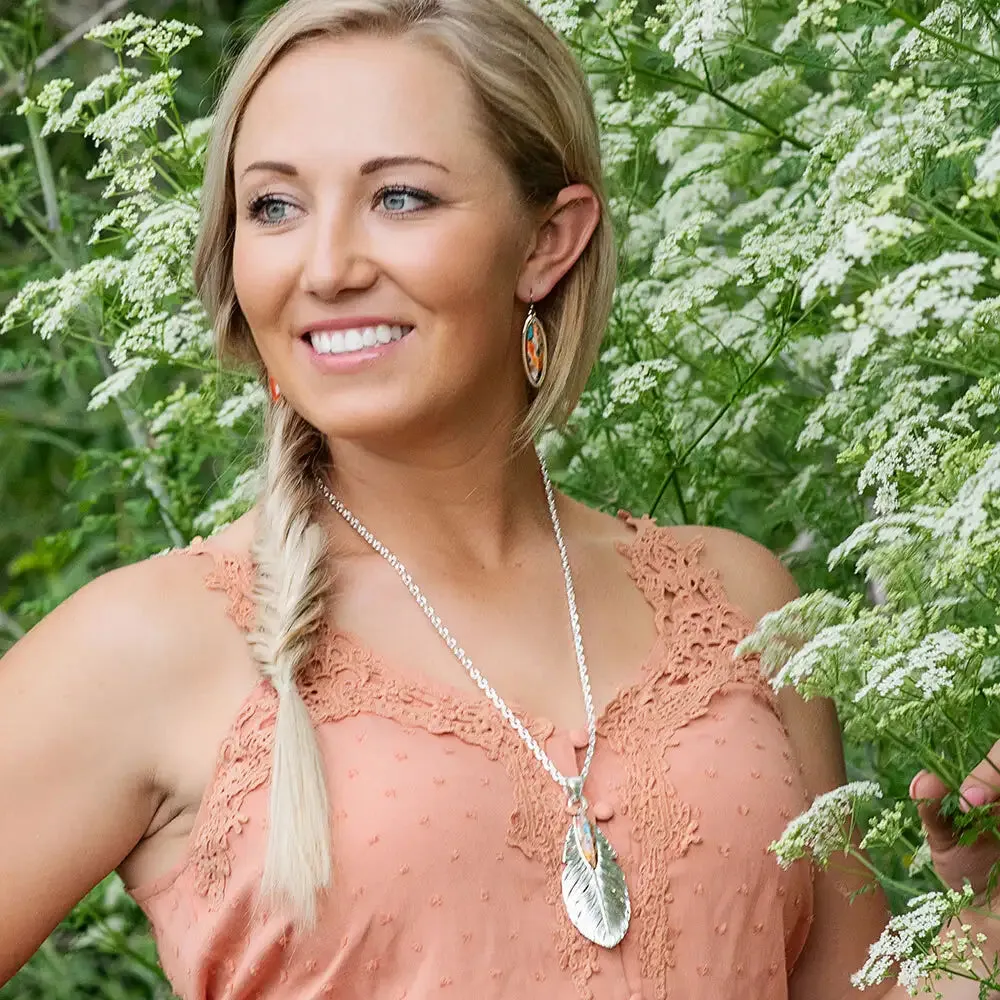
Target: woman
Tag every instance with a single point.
(404, 230)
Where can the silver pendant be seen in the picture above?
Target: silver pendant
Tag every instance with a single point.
(593, 884)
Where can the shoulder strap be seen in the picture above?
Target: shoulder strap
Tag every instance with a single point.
(233, 574)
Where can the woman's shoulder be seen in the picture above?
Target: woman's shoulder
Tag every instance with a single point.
(753, 577)
(150, 626)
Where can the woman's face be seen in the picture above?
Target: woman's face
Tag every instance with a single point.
(379, 243)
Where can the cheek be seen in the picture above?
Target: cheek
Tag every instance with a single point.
(466, 274)
(258, 280)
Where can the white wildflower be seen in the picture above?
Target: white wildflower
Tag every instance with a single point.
(563, 15)
(9, 151)
(119, 29)
(678, 238)
(118, 382)
(629, 384)
(859, 242)
(988, 169)
(975, 506)
(886, 828)
(697, 26)
(908, 938)
(251, 397)
(96, 91)
(241, 497)
(50, 306)
(134, 113)
(825, 827)
(920, 44)
(921, 858)
(48, 98)
(922, 666)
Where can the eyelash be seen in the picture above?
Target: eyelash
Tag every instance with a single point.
(258, 202)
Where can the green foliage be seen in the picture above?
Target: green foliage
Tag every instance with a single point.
(803, 347)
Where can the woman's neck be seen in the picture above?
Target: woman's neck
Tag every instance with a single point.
(476, 503)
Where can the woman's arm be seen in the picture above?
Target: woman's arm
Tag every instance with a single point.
(842, 931)
(84, 703)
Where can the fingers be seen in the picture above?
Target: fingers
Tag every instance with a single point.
(983, 783)
(927, 790)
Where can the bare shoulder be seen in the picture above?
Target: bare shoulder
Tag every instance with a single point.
(97, 704)
(139, 634)
(754, 578)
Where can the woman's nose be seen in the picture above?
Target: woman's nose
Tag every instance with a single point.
(337, 258)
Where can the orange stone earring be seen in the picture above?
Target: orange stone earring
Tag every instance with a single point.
(275, 391)
(534, 348)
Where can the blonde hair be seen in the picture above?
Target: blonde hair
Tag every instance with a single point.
(538, 115)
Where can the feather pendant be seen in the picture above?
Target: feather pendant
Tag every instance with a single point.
(593, 885)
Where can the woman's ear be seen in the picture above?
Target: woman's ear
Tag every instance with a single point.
(562, 234)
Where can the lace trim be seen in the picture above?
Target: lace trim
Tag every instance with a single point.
(692, 660)
(697, 630)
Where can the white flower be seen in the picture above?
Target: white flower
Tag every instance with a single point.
(988, 169)
(135, 112)
(245, 490)
(781, 635)
(825, 827)
(629, 384)
(563, 15)
(885, 828)
(8, 152)
(250, 397)
(974, 507)
(908, 937)
(698, 25)
(139, 34)
(118, 382)
(48, 99)
(95, 91)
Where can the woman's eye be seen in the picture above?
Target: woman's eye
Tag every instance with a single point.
(269, 210)
(400, 200)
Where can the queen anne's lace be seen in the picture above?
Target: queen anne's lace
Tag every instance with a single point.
(692, 660)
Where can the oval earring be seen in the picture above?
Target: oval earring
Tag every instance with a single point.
(534, 348)
(275, 390)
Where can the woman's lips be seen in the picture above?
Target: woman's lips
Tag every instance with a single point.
(339, 351)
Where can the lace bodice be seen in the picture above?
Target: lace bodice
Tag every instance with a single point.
(447, 834)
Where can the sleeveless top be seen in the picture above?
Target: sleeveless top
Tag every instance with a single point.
(447, 834)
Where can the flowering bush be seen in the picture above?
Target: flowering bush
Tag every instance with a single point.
(803, 347)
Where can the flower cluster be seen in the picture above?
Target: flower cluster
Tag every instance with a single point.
(825, 828)
(909, 941)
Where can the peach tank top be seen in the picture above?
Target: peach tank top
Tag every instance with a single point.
(447, 834)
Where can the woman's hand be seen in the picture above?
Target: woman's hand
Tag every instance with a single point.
(953, 861)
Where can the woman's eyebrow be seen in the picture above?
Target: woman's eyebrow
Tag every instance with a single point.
(369, 167)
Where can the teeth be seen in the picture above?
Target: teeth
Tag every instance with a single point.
(343, 341)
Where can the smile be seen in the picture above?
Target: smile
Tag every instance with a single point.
(359, 339)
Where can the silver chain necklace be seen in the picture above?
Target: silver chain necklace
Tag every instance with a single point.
(593, 885)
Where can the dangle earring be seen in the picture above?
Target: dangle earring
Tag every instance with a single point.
(275, 391)
(534, 348)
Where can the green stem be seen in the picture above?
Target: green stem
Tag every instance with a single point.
(931, 33)
(133, 422)
(949, 366)
(699, 87)
(950, 220)
(734, 397)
